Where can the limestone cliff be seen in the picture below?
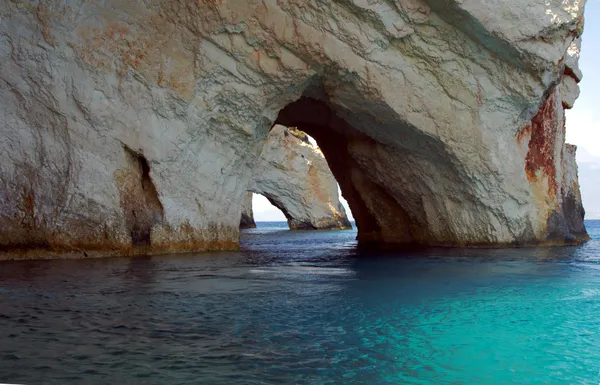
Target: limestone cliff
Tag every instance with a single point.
(247, 219)
(293, 175)
(134, 126)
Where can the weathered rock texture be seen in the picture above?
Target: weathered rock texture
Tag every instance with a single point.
(293, 175)
(247, 219)
(441, 119)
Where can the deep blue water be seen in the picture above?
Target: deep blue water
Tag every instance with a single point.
(306, 308)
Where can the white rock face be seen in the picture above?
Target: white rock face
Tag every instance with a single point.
(135, 125)
(293, 175)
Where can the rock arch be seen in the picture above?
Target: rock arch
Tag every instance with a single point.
(409, 187)
(443, 121)
(294, 176)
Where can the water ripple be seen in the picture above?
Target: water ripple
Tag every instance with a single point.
(306, 307)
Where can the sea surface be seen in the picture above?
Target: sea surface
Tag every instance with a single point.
(306, 308)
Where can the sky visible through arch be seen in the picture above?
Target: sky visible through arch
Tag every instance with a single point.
(583, 125)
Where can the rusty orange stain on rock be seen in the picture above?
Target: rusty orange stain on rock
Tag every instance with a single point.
(540, 157)
(524, 132)
(315, 184)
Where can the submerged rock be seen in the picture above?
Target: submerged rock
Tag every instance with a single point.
(293, 175)
(134, 126)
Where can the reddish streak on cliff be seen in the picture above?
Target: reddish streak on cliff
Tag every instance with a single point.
(540, 157)
(525, 131)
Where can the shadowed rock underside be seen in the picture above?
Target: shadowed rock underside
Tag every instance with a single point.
(247, 219)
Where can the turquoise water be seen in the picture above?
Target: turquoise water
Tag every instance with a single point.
(306, 307)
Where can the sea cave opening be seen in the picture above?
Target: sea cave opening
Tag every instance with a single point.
(404, 185)
(258, 208)
(333, 137)
(262, 210)
(292, 182)
(387, 202)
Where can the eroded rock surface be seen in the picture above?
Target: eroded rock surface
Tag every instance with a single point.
(442, 120)
(247, 219)
(293, 175)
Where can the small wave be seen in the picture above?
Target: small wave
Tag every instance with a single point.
(585, 293)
